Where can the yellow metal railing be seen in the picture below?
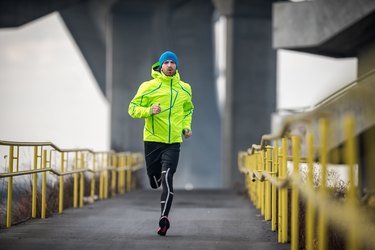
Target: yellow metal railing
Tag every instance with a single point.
(353, 220)
(274, 169)
(71, 162)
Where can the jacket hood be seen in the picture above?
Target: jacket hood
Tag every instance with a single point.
(157, 74)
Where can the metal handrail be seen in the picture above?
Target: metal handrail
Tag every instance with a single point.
(122, 164)
(30, 144)
(58, 173)
(341, 216)
(307, 116)
(264, 174)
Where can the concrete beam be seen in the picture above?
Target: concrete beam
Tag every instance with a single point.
(334, 28)
(14, 13)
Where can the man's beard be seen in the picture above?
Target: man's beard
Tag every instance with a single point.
(170, 72)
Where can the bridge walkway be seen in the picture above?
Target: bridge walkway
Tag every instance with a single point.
(207, 219)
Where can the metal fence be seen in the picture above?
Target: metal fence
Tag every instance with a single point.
(48, 158)
(280, 172)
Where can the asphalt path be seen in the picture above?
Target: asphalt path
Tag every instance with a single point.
(200, 219)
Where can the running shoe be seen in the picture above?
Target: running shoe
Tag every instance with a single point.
(163, 225)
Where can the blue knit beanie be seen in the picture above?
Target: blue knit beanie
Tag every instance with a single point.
(168, 55)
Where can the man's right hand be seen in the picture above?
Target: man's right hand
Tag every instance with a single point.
(187, 133)
(155, 109)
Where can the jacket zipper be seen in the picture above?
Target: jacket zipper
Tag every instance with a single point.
(152, 119)
(169, 117)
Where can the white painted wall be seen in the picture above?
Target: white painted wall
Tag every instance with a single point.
(305, 79)
(47, 91)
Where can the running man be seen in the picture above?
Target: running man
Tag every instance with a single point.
(165, 102)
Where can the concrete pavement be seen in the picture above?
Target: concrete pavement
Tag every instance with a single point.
(208, 219)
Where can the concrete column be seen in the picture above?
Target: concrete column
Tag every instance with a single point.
(88, 25)
(141, 32)
(250, 79)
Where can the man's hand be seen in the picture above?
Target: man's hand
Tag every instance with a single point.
(155, 109)
(187, 133)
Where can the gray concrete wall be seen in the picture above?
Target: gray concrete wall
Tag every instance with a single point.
(141, 32)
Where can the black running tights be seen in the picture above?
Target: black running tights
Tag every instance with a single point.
(161, 162)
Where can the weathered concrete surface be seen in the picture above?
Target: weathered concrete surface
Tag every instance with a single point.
(199, 220)
(336, 28)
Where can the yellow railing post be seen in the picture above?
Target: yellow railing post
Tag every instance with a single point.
(322, 222)
(35, 184)
(129, 173)
(284, 196)
(125, 158)
(17, 158)
(249, 182)
(10, 188)
(244, 161)
(123, 175)
(310, 211)
(104, 171)
(267, 210)
(274, 193)
(106, 176)
(351, 155)
(82, 181)
(262, 184)
(93, 176)
(257, 182)
(280, 196)
(253, 185)
(44, 185)
(113, 177)
(75, 182)
(295, 201)
(61, 193)
(120, 165)
(101, 178)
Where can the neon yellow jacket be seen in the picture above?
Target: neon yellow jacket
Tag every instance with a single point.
(175, 99)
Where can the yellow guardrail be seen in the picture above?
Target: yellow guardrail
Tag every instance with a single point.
(275, 182)
(45, 159)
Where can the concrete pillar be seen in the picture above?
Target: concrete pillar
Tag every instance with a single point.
(250, 79)
(141, 32)
(88, 24)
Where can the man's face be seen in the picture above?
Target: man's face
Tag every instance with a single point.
(169, 68)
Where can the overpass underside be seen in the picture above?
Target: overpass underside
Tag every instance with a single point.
(120, 40)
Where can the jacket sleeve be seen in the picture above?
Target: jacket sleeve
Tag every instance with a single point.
(188, 111)
(139, 106)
